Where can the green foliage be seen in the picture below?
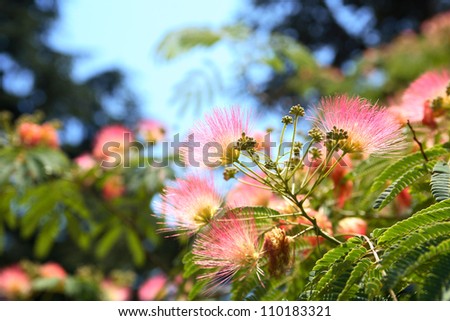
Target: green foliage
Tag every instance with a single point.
(408, 178)
(440, 181)
(414, 256)
(181, 41)
(401, 166)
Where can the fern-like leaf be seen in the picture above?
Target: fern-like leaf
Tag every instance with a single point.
(397, 169)
(440, 181)
(439, 212)
(401, 183)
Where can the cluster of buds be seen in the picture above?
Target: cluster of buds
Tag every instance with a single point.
(336, 135)
(246, 143)
(316, 135)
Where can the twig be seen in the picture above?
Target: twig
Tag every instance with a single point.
(417, 141)
(377, 261)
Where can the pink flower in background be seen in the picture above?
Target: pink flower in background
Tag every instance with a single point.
(14, 283)
(419, 96)
(114, 292)
(49, 135)
(403, 201)
(151, 130)
(342, 187)
(282, 206)
(352, 225)
(32, 134)
(260, 138)
(247, 195)
(217, 135)
(152, 288)
(231, 244)
(370, 129)
(403, 113)
(190, 203)
(52, 270)
(113, 187)
(439, 24)
(117, 134)
(85, 161)
(322, 221)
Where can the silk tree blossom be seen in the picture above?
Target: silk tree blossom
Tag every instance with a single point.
(111, 291)
(112, 142)
(230, 245)
(351, 225)
(85, 161)
(363, 127)
(420, 95)
(52, 270)
(32, 134)
(190, 203)
(244, 194)
(154, 288)
(213, 140)
(151, 130)
(14, 283)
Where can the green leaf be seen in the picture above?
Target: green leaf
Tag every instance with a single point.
(192, 269)
(405, 180)
(438, 212)
(400, 167)
(136, 247)
(46, 237)
(108, 240)
(440, 181)
(352, 285)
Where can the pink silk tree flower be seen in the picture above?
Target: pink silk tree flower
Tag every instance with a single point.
(212, 141)
(112, 291)
(369, 128)
(351, 225)
(419, 96)
(244, 194)
(14, 283)
(111, 142)
(52, 270)
(49, 135)
(151, 130)
(190, 203)
(113, 187)
(153, 288)
(85, 161)
(230, 245)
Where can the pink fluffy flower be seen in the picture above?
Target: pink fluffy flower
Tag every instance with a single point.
(190, 203)
(370, 129)
(352, 225)
(152, 288)
(229, 246)
(111, 143)
(215, 137)
(437, 25)
(114, 292)
(52, 270)
(85, 161)
(421, 93)
(248, 195)
(113, 187)
(14, 283)
(151, 130)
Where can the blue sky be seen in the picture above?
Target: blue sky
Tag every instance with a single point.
(125, 34)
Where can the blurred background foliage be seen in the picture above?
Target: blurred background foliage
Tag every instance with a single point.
(284, 52)
(297, 51)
